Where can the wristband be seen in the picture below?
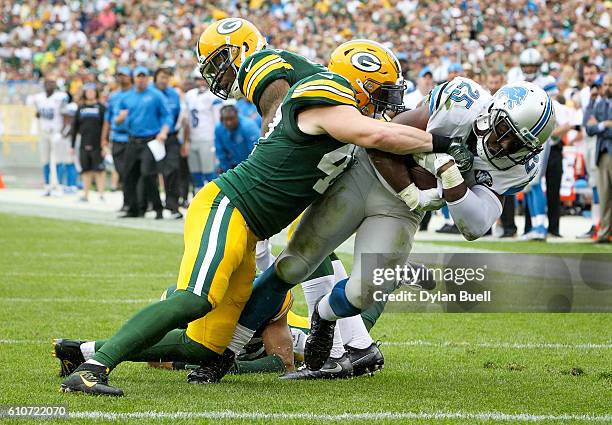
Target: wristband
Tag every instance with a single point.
(451, 177)
(410, 196)
(440, 144)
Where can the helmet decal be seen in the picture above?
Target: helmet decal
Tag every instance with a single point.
(229, 26)
(366, 61)
(515, 95)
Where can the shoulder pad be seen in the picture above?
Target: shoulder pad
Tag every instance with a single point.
(258, 70)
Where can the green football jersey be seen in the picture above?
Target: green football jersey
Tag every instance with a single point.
(289, 169)
(269, 65)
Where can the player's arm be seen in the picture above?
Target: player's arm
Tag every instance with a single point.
(278, 341)
(346, 124)
(473, 209)
(393, 167)
(270, 100)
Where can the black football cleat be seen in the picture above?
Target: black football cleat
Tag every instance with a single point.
(319, 342)
(333, 368)
(68, 352)
(90, 379)
(214, 371)
(365, 360)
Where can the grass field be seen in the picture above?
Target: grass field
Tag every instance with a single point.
(75, 280)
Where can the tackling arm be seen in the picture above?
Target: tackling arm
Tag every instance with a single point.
(346, 124)
(278, 341)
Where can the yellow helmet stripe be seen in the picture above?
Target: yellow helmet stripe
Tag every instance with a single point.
(262, 74)
(329, 94)
(328, 83)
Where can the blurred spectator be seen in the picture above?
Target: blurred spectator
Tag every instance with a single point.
(118, 132)
(423, 87)
(598, 122)
(588, 96)
(170, 163)
(568, 120)
(203, 109)
(235, 137)
(145, 110)
(88, 122)
(249, 110)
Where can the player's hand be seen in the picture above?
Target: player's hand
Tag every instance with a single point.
(464, 158)
(424, 200)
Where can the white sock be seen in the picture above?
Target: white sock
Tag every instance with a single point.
(352, 329)
(241, 337)
(354, 332)
(90, 361)
(88, 349)
(314, 289)
(325, 310)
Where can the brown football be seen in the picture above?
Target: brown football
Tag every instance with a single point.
(422, 178)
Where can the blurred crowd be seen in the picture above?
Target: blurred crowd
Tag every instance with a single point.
(85, 41)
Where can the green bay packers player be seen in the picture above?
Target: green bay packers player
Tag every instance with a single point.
(292, 165)
(264, 76)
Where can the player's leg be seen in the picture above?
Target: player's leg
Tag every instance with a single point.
(392, 234)
(44, 149)
(216, 241)
(329, 221)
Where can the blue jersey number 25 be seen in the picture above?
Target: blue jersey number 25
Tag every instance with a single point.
(468, 95)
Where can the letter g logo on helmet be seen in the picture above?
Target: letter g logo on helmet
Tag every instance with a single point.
(229, 26)
(366, 61)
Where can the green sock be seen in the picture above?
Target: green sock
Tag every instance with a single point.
(372, 313)
(175, 346)
(150, 325)
(264, 365)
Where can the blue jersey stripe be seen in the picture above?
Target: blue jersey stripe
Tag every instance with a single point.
(432, 98)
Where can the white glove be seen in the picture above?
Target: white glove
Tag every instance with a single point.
(424, 200)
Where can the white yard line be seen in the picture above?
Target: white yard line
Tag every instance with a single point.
(373, 416)
(438, 344)
(504, 345)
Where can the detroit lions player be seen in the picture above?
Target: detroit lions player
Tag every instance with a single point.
(506, 131)
(531, 64)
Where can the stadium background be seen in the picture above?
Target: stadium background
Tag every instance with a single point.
(78, 42)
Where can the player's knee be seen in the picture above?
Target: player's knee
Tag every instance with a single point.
(292, 269)
(354, 295)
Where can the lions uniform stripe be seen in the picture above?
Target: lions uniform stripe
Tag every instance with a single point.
(331, 83)
(325, 93)
(539, 126)
(205, 258)
(434, 99)
(263, 73)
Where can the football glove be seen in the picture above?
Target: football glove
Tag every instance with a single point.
(464, 158)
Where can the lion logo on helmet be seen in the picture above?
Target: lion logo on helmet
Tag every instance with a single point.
(515, 95)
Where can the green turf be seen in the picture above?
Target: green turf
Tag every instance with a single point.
(531, 247)
(66, 279)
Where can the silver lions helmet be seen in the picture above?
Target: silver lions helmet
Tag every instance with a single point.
(516, 126)
(530, 61)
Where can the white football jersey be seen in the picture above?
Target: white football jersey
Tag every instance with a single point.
(547, 83)
(453, 108)
(50, 110)
(203, 112)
